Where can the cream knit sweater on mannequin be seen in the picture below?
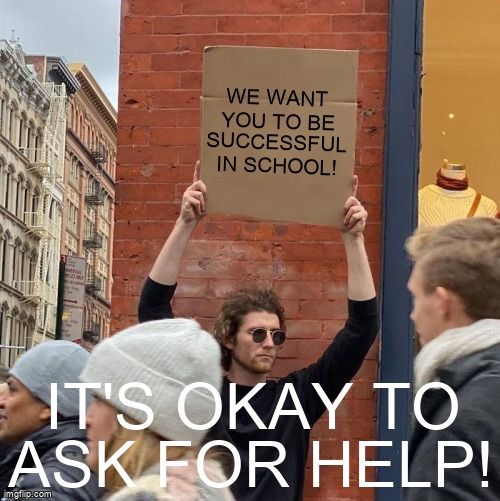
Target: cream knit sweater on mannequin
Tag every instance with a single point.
(439, 206)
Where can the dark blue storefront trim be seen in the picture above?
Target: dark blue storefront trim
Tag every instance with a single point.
(400, 208)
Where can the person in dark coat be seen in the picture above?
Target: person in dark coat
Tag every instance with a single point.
(455, 283)
(26, 418)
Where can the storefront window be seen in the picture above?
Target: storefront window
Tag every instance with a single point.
(460, 104)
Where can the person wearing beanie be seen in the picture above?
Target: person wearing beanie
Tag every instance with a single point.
(26, 415)
(166, 356)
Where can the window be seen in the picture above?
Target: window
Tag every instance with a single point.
(7, 190)
(32, 266)
(12, 122)
(105, 208)
(29, 133)
(3, 252)
(26, 199)
(52, 210)
(20, 136)
(14, 340)
(5, 258)
(460, 100)
(14, 266)
(103, 251)
(73, 218)
(74, 172)
(22, 257)
(34, 201)
(2, 328)
(3, 108)
(102, 281)
(18, 186)
(25, 335)
(38, 142)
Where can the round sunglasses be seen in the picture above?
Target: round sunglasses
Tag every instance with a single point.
(259, 334)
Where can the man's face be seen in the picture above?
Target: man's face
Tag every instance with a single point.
(23, 414)
(427, 312)
(4, 391)
(256, 358)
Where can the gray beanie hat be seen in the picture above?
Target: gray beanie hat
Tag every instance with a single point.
(52, 362)
(166, 355)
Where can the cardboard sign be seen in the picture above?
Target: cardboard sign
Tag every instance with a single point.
(278, 132)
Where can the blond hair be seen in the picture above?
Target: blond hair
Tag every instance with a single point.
(463, 257)
(143, 454)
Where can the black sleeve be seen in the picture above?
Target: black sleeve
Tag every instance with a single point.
(154, 303)
(341, 360)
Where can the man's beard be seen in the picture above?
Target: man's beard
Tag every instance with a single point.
(253, 368)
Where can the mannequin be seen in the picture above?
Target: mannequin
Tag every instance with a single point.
(451, 198)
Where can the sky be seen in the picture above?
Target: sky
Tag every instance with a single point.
(80, 31)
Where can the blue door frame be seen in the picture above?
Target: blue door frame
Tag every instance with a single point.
(401, 167)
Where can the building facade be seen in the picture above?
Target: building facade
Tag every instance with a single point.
(32, 131)
(89, 173)
(88, 220)
(57, 167)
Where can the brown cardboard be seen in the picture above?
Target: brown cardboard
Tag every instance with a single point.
(301, 162)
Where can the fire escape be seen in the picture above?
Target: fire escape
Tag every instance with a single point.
(47, 161)
(93, 241)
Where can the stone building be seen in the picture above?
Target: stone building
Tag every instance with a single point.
(89, 173)
(90, 193)
(32, 130)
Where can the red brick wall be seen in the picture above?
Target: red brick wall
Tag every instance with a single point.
(158, 143)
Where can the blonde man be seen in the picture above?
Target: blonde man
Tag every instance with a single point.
(455, 283)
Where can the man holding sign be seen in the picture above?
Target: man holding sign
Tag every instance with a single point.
(290, 131)
(251, 332)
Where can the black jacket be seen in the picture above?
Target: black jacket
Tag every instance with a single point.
(46, 441)
(4, 450)
(475, 380)
(336, 367)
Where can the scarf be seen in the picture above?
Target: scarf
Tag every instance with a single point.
(452, 345)
(451, 184)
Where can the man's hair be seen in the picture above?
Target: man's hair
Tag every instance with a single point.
(234, 309)
(463, 257)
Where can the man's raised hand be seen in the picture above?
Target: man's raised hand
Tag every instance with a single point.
(355, 214)
(193, 199)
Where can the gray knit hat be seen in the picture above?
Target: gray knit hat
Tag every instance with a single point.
(166, 355)
(52, 362)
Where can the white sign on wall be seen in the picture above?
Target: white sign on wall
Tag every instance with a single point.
(73, 298)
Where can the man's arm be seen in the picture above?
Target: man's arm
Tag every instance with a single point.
(360, 285)
(343, 358)
(159, 287)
